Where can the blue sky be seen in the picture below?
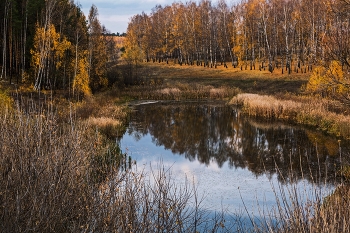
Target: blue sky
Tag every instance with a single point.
(115, 14)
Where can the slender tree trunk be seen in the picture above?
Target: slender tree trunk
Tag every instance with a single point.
(4, 49)
(286, 35)
(313, 42)
(11, 45)
(267, 39)
(227, 40)
(25, 39)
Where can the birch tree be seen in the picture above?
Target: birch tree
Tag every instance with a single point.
(44, 36)
(264, 18)
(47, 48)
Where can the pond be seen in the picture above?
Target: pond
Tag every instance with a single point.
(238, 164)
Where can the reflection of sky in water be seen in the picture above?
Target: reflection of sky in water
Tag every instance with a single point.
(222, 187)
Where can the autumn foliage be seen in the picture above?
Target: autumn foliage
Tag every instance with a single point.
(295, 35)
(52, 45)
(278, 32)
(330, 81)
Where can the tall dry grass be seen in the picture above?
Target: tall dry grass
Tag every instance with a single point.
(44, 173)
(307, 111)
(301, 211)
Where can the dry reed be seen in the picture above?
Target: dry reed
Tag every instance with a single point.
(301, 211)
(307, 111)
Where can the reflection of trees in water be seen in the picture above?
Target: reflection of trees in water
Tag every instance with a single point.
(217, 133)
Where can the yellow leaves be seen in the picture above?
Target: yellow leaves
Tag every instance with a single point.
(252, 6)
(316, 80)
(81, 81)
(133, 53)
(5, 101)
(296, 15)
(46, 42)
(331, 81)
(336, 70)
(59, 49)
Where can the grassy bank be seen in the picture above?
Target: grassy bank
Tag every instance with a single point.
(319, 113)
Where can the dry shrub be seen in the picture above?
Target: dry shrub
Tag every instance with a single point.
(107, 126)
(150, 203)
(217, 92)
(223, 92)
(170, 91)
(103, 121)
(87, 108)
(334, 212)
(43, 174)
(64, 178)
(183, 86)
(180, 91)
(266, 106)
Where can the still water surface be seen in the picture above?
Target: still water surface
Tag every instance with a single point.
(233, 160)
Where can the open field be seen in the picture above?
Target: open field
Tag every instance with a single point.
(253, 81)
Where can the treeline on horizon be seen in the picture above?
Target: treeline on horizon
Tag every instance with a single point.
(51, 44)
(276, 33)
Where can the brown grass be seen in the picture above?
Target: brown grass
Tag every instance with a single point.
(179, 91)
(254, 81)
(109, 127)
(297, 214)
(303, 110)
(103, 121)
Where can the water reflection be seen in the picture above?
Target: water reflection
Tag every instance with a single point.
(215, 133)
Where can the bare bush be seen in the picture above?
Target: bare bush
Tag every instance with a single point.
(43, 174)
